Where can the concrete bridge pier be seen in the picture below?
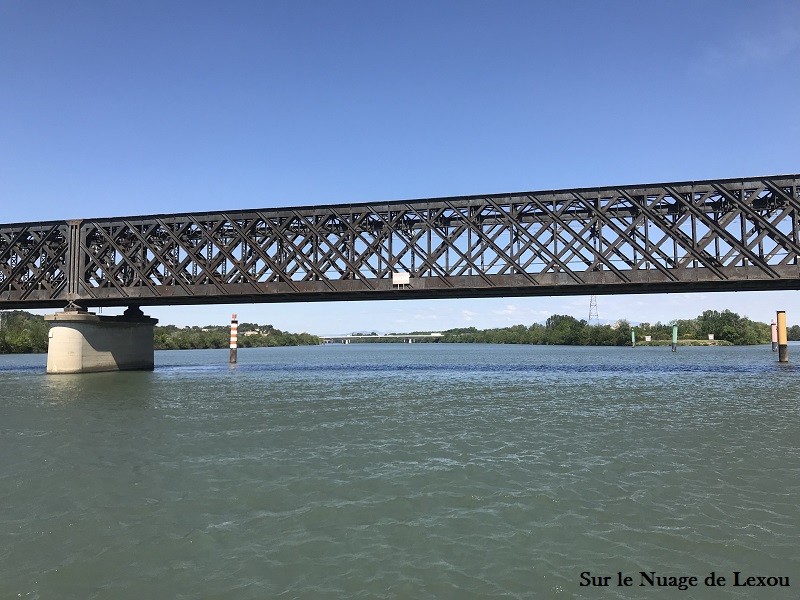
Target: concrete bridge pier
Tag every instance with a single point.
(83, 342)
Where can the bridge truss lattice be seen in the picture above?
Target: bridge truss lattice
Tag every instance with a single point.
(732, 234)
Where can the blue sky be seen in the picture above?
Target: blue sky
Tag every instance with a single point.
(116, 108)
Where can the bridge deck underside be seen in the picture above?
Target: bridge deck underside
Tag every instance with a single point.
(700, 236)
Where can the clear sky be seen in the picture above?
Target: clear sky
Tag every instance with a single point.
(117, 108)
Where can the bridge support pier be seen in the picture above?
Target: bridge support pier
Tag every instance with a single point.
(83, 342)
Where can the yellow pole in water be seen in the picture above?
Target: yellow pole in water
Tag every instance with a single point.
(783, 342)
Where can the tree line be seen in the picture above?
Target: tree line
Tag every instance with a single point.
(727, 327)
(251, 335)
(22, 332)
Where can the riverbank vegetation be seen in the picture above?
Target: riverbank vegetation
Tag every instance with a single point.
(22, 332)
(727, 327)
(250, 335)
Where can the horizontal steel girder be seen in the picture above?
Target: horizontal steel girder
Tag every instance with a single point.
(716, 235)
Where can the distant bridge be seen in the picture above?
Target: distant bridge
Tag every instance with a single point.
(346, 339)
(715, 235)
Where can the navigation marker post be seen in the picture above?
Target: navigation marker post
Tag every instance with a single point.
(234, 337)
(774, 336)
(783, 343)
(674, 338)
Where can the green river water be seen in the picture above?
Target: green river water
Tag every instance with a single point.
(403, 471)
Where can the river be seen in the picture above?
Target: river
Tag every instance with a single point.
(402, 471)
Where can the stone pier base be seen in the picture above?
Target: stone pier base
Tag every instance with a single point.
(83, 342)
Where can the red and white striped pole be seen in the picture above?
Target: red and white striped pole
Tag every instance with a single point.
(234, 336)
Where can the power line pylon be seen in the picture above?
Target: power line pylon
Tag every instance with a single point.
(594, 318)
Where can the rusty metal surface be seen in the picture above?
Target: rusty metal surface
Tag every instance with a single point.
(733, 234)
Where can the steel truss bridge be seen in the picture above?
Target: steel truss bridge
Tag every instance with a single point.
(716, 235)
